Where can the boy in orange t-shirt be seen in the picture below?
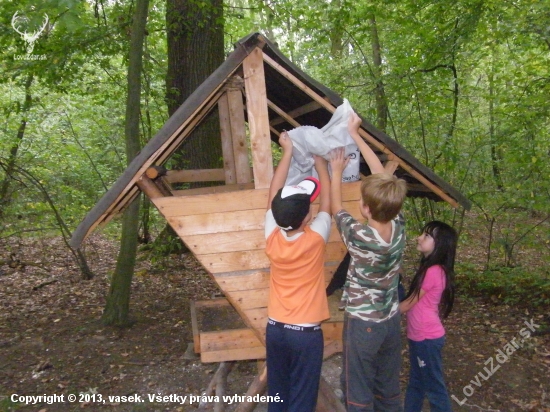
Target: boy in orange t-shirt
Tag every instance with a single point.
(297, 300)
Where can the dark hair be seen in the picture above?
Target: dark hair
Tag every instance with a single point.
(445, 242)
(290, 212)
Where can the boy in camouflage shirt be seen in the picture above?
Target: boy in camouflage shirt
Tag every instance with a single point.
(372, 338)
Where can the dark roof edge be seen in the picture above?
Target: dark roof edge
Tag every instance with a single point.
(390, 143)
(242, 49)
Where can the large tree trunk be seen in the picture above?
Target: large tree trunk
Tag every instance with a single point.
(195, 50)
(118, 301)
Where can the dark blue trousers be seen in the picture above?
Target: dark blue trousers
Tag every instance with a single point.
(294, 360)
(426, 377)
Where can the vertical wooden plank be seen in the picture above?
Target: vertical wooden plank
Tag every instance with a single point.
(238, 133)
(195, 328)
(227, 142)
(258, 120)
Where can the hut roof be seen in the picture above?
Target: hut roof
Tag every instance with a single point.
(294, 98)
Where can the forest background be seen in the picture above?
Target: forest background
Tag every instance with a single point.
(463, 85)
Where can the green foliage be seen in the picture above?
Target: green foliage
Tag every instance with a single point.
(466, 84)
(512, 286)
(6, 405)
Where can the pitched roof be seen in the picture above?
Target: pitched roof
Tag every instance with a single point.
(294, 99)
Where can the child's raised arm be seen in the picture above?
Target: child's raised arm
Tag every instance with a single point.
(370, 157)
(281, 172)
(321, 165)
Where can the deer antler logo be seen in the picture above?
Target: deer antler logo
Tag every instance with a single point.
(30, 38)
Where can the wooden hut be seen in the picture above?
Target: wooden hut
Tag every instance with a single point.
(258, 93)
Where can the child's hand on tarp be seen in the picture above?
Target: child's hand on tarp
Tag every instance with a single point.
(285, 141)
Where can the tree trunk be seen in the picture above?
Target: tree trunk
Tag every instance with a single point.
(495, 155)
(380, 94)
(117, 308)
(195, 50)
(118, 301)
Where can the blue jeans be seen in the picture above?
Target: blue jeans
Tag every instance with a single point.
(426, 377)
(372, 362)
(294, 360)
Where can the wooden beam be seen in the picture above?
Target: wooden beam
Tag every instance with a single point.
(149, 187)
(213, 190)
(257, 387)
(282, 113)
(238, 135)
(243, 353)
(212, 303)
(154, 172)
(251, 298)
(327, 400)
(257, 259)
(218, 341)
(307, 108)
(246, 199)
(198, 175)
(258, 119)
(227, 142)
(195, 328)
(187, 224)
(298, 83)
(235, 241)
(369, 138)
(253, 279)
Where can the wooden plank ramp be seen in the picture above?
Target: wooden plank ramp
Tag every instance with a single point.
(225, 231)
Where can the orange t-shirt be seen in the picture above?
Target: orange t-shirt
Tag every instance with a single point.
(297, 285)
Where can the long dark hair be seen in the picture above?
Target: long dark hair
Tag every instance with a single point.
(445, 241)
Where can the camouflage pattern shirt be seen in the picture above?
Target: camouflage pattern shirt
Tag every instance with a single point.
(370, 292)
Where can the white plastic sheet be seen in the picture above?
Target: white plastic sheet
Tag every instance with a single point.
(309, 141)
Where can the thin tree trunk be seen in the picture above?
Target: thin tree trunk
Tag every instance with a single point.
(117, 307)
(380, 94)
(495, 156)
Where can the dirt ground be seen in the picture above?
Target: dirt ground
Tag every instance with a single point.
(52, 343)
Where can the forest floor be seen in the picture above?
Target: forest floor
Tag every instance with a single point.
(52, 342)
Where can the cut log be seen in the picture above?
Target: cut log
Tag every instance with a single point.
(155, 171)
(217, 386)
(149, 187)
(327, 400)
(257, 387)
(221, 381)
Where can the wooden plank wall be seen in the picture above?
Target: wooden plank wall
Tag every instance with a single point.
(225, 231)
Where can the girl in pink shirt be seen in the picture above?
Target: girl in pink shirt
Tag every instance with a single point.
(430, 298)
